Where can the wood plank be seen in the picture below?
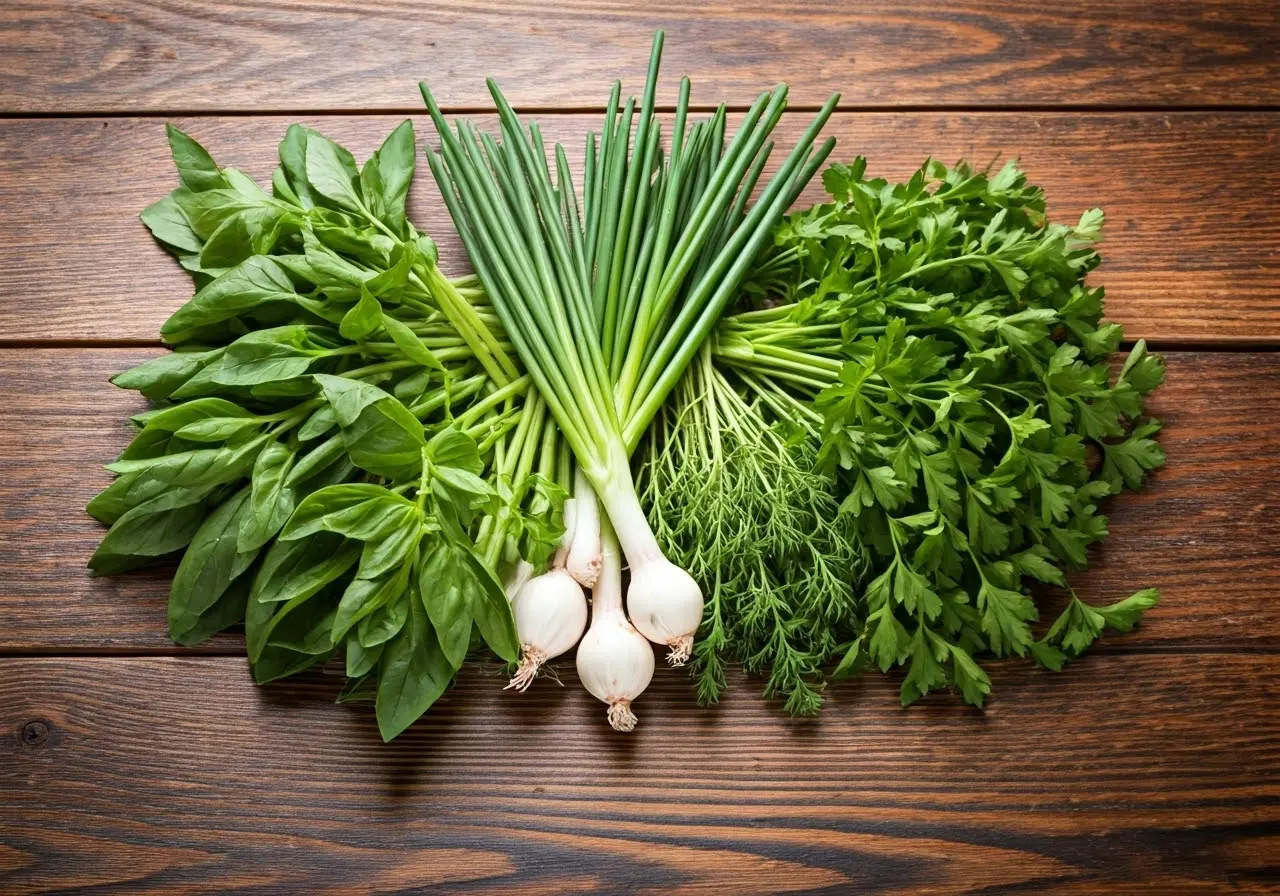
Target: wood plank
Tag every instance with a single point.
(1187, 255)
(229, 54)
(1206, 516)
(178, 775)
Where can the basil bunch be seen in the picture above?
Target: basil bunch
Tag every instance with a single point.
(341, 443)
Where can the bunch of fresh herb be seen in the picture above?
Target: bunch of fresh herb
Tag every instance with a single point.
(931, 353)
(339, 442)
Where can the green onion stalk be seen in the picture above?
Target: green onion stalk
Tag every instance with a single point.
(608, 300)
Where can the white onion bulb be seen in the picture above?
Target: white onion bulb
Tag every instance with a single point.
(665, 605)
(615, 662)
(551, 614)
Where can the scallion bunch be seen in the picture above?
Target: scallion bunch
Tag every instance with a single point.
(608, 299)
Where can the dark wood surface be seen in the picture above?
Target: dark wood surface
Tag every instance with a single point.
(178, 775)
(1152, 766)
(172, 55)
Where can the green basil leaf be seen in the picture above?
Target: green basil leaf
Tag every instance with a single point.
(318, 424)
(392, 549)
(414, 672)
(385, 623)
(250, 231)
(409, 343)
(451, 447)
(175, 417)
(315, 460)
(381, 435)
(391, 176)
(363, 318)
(196, 168)
(445, 587)
(331, 171)
(410, 389)
(217, 429)
(275, 663)
(145, 532)
(137, 488)
(327, 269)
(169, 225)
(293, 160)
(492, 610)
(356, 510)
(298, 569)
(461, 487)
(208, 211)
(264, 356)
(389, 283)
(361, 659)
(212, 561)
(159, 378)
(306, 631)
(226, 611)
(202, 467)
(271, 500)
(248, 285)
(365, 595)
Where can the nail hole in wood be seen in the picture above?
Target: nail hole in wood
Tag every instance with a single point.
(35, 734)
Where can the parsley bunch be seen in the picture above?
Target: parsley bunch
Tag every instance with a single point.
(968, 425)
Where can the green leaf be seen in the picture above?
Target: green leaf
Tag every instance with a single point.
(365, 595)
(1127, 463)
(357, 510)
(386, 621)
(226, 611)
(199, 468)
(412, 675)
(361, 659)
(247, 232)
(492, 610)
(331, 172)
(293, 162)
(388, 188)
(211, 563)
(364, 317)
(196, 167)
(973, 683)
(1123, 615)
(392, 549)
(249, 285)
(271, 500)
(447, 588)
(409, 343)
(1005, 615)
(145, 532)
(176, 417)
(451, 447)
(169, 225)
(298, 569)
(266, 356)
(158, 378)
(318, 424)
(380, 434)
(217, 429)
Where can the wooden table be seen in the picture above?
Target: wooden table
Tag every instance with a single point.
(128, 764)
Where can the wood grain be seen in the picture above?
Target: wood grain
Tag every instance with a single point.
(1192, 252)
(179, 776)
(85, 56)
(1205, 531)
